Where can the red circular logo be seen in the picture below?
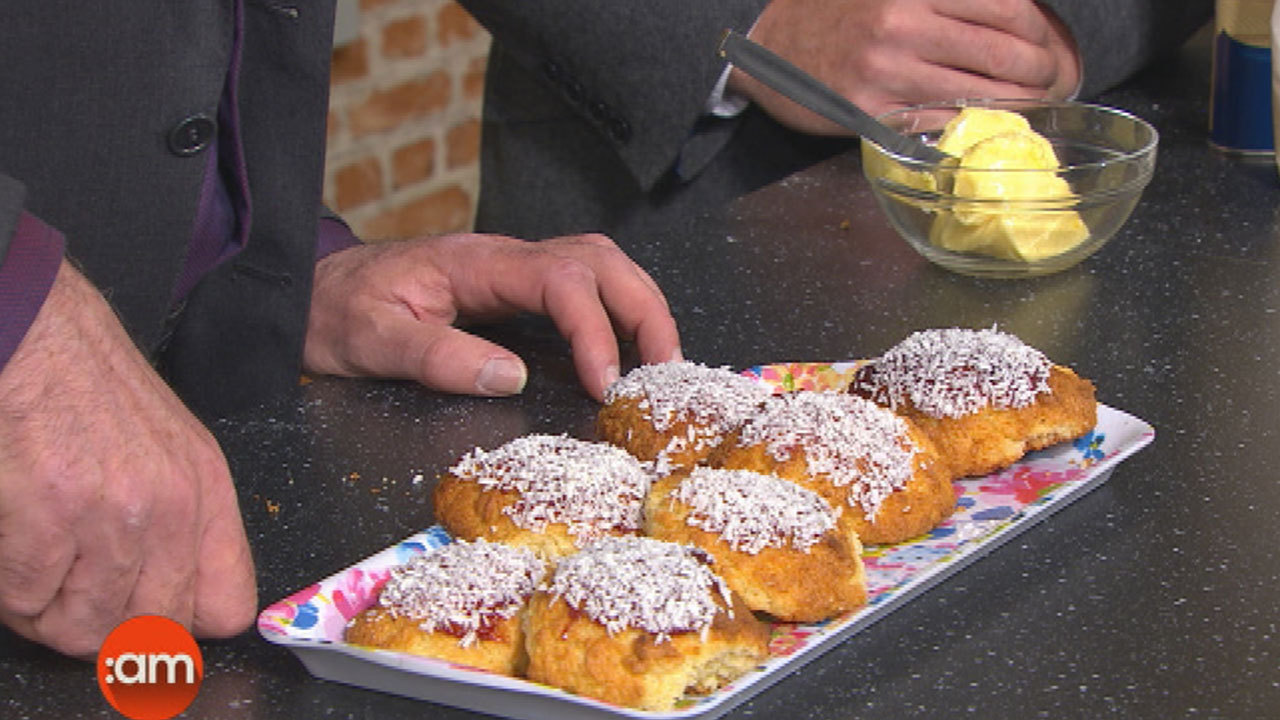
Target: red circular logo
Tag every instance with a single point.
(150, 668)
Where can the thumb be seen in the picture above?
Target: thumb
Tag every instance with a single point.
(458, 362)
(226, 595)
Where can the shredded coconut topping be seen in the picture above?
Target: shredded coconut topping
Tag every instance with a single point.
(955, 372)
(716, 400)
(659, 587)
(752, 511)
(463, 588)
(852, 441)
(593, 488)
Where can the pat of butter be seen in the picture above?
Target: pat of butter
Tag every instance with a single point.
(974, 124)
(1010, 160)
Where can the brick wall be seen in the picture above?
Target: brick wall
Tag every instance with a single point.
(404, 119)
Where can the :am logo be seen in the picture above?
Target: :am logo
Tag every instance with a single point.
(134, 668)
(150, 668)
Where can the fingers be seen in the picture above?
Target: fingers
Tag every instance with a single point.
(936, 82)
(130, 559)
(1004, 41)
(109, 488)
(224, 600)
(571, 296)
(196, 567)
(452, 360)
(393, 310)
(557, 280)
(36, 554)
(887, 54)
(649, 324)
(96, 555)
(590, 289)
(633, 300)
(1029, 53)
(593, 293)
(1019, 18)
(93, 596)
(71, 542)
(991, 54)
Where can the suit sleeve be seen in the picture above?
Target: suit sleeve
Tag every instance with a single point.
(639, 73)
(1116, 38)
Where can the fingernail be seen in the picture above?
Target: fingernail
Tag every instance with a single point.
(677, 355)
(610, 376)
(502, 376)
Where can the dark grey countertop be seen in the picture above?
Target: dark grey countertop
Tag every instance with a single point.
(1154, 596)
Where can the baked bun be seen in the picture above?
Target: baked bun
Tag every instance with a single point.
(878, 467)
(552, 493)
(778, 545)
(676, 413)
(462, 603)
(984, 397)
(639, 622)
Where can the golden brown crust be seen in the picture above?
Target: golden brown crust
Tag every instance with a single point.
(676, 413)
(551, 493)
(631, 668)
(501, 649)
(992, 439)
(926, 500)
(470, 512)
(793, 585)
(984, 397)
(623, 422)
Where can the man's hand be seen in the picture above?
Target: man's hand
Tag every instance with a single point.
(114, 500)
(391, 309)
(887, 54)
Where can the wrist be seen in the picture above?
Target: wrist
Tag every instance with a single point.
(74, 331)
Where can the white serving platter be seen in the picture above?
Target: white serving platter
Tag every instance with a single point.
(991, 510)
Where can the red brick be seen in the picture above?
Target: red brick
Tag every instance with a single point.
(462, 144)
(389, 108)
(473, 78)
(349, 62)
(446, 211)
(404, 38)
(357, 184)
(413, 163)
(333, 126)
(455, 23)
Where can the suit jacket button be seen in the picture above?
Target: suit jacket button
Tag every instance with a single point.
(620, 129)
(192, 135)
(574, 90)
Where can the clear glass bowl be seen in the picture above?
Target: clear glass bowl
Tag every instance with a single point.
(1106, 157)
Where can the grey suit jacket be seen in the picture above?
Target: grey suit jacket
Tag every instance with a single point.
(594, 111)
(93, 95)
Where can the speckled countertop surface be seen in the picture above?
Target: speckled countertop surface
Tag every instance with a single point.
(1153, 596)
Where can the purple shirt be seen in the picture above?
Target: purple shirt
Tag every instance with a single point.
(35, 252)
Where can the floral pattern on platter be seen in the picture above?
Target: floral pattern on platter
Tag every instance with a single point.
(789, 377)
(321, 611)
(989, 509)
